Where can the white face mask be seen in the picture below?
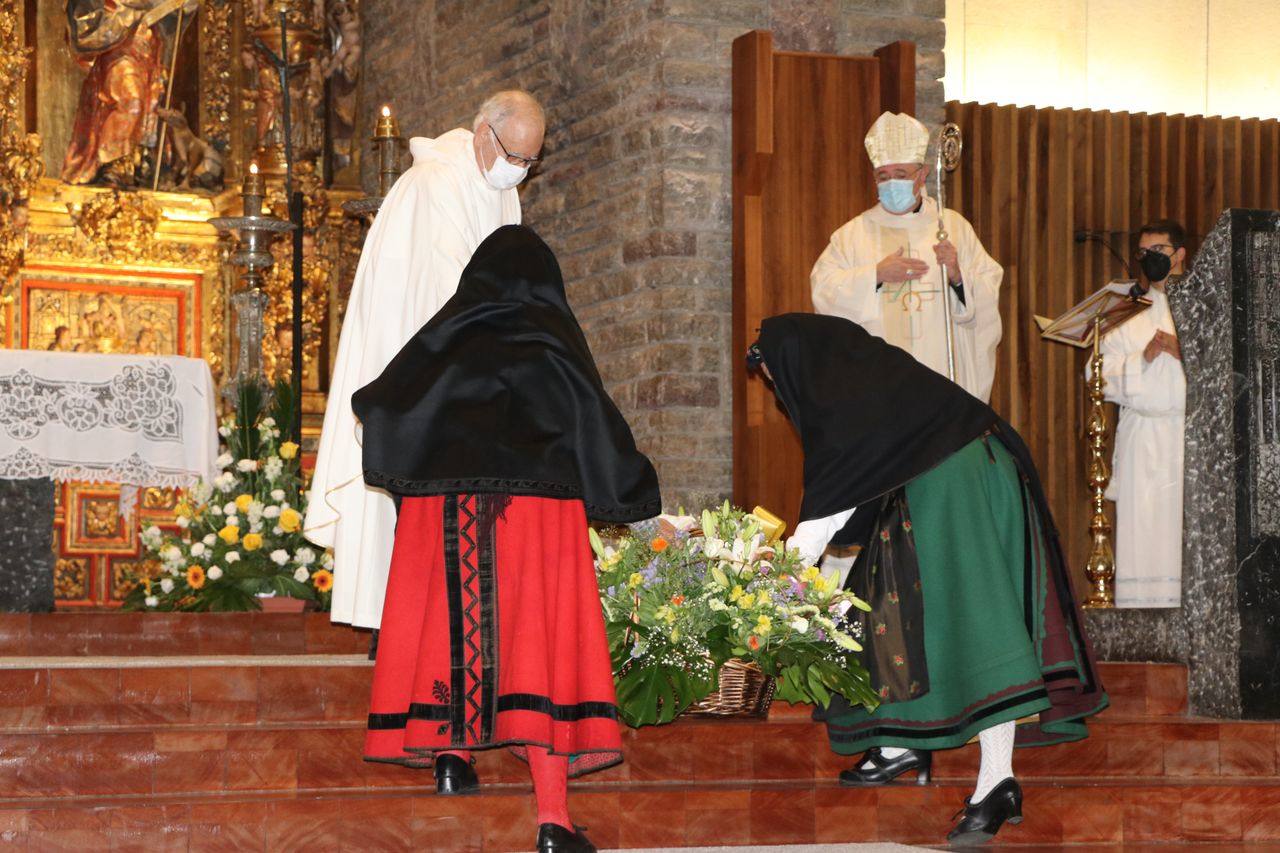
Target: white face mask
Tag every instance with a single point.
(503, 175)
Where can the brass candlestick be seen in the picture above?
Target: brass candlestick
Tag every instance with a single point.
(388, 143)
(256, 233)
(1101, 566)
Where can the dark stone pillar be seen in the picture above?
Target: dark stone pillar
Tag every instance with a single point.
(26, 546)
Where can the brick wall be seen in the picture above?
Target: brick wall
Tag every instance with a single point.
(634, 193)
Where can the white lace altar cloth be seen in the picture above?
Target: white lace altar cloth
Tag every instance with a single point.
(143, 421)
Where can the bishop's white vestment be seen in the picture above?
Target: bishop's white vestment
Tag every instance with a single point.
(430, 224)
(1146, 480)
(910, 315)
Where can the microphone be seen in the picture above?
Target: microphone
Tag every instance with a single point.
(1083, 235)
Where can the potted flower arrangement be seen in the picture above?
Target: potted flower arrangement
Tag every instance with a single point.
(238, 543)
(688, 600)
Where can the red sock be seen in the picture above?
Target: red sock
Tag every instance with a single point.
(464, 754)
(550, 786)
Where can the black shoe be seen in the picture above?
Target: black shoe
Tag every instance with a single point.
(884, 770)
(455, 776)
(983, 820)
(554, 838)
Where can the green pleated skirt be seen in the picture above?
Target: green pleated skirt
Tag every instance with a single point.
(983, 573)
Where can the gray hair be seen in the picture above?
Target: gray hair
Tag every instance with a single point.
(510, 102)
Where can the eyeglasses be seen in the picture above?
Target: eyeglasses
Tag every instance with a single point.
(513, 159)
(1155, 248)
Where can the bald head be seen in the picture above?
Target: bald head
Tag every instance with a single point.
(510, 123)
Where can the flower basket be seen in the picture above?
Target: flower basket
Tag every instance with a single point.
(744, 691)
(707, 617)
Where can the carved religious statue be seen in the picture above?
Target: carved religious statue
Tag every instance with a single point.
(121, 44)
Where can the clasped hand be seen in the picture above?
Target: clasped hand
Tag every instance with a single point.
(897, 267)
(1160, 342)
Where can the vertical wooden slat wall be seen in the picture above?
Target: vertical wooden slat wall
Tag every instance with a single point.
(1028, 180)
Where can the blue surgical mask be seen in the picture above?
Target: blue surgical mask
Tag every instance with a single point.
(898, 195)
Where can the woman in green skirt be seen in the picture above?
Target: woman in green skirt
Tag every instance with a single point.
(973, 628)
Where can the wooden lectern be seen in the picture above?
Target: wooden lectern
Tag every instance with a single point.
(800, 171)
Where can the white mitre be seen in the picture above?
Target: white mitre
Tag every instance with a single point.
(897, 138)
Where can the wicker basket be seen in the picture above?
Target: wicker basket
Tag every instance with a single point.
(744, 691)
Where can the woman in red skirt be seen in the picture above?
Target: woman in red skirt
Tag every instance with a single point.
(495, 434)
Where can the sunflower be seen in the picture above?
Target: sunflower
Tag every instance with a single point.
(323, 580)
(195, 577)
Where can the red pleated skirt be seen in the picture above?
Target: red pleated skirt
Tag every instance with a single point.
(492, 635)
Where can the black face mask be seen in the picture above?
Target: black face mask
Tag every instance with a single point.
(1155, 266)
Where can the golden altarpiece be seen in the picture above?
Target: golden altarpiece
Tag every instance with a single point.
(124, 127)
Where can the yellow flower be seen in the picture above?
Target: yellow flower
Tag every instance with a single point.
(243, 502)
(323, 580)
(229, 534)
(183, 510)
(288, 450)
(635, 580)
(822, 584)
(252, 541)
(764, 625)
(810, 574)
(290, 520)
(747, 601)
(736, 593)
(195, 577)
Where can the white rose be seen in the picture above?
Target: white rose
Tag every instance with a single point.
(247, 465)
(202, 492)
(197, 549)
(277, 495)
(280, 557)
(225, 482)
(305, 556)
(152, 601)
(215, 510)
(214, 573)
(224, 431)
(166, 585)
(232, 557)
(209, 540)
(277, 530)
(153, 532)
(301, 575)
(184, 522)
(271, 512)
(172, 553)
(225, 460)
(267, 423)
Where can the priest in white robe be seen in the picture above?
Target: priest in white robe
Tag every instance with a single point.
(1142, 365)
(881, 269)
(459, 190)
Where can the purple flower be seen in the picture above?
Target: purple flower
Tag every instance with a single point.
(821, 635)
(611, 591)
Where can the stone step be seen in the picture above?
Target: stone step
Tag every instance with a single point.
(110, 692)
(191, 759)
(634, 814)
(161, 634)
(106, 692)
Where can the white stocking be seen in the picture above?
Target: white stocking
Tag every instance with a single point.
(889, 752)
(997, 758)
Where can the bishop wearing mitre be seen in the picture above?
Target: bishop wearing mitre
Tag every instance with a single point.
(459, 190)
(882, 268)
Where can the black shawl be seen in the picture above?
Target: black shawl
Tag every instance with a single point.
(498, 394)
(870, 417)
